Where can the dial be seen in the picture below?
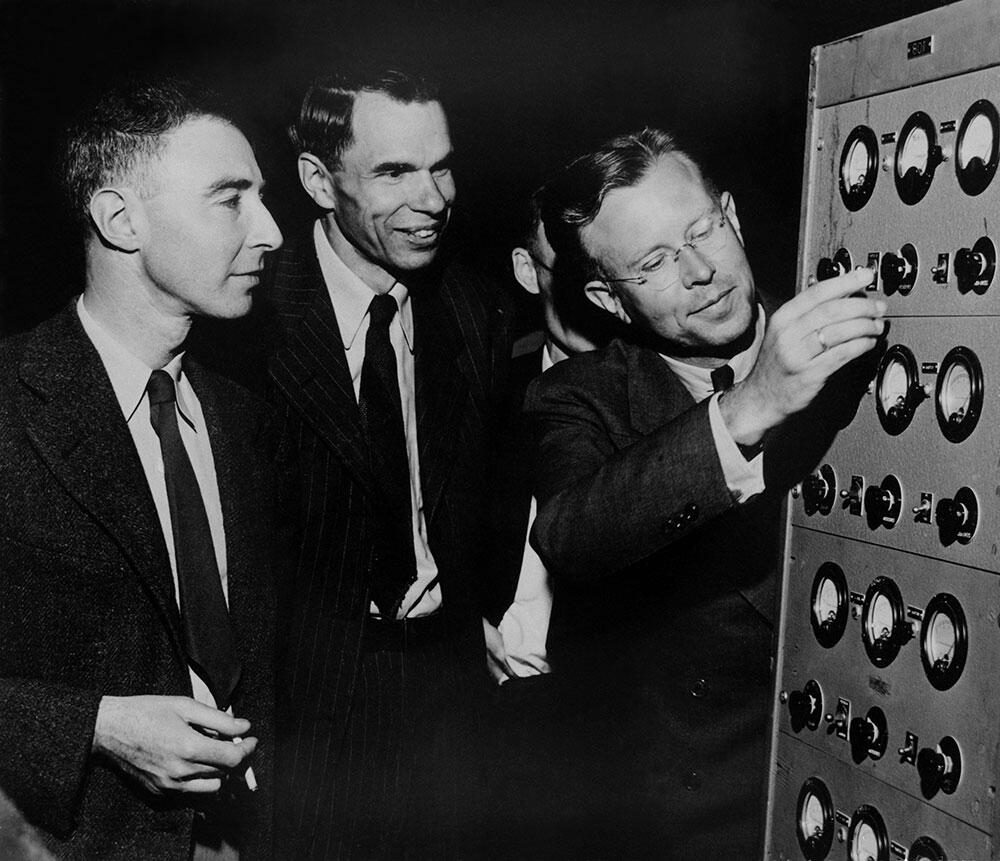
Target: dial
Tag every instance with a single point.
(867, 837)
(898, 390)
(858, 167)
(829, 604)
(978, 147)
(926, 849)
(815, 820)
(883, 627)
(959, 394)
(944, 641)
(917, 157)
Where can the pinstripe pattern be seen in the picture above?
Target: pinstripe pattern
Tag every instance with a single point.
(461, 345)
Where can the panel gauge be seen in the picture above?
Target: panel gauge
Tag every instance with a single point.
(829, 603)
(867, 838)
(926, 849)
(917, 157)
(858, 168)
(978, 147)
(898, 389)
(883, 625)
(944, 641)
(959, 394)
(815, 820)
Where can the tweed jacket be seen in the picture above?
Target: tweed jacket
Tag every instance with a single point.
(87, 604)
(460, 354)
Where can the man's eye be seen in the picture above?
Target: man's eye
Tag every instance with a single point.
(231, 202)
(654, 264)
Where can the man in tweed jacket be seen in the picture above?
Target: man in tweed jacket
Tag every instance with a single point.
(113, 744)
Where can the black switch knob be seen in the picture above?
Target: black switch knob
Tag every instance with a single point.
(798, 709)
(950, 516)
(827, 269)
(931, 767)
(969, 264)
(861, 736)
(878, 501)
(893, 271)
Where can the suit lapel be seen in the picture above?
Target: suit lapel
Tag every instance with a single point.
(655, 394)
(310, 368)
(76, 425)
(441, 391)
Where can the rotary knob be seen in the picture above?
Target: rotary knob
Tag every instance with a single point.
(899, 271)
(883, 503)
(957, 518)
(975, 267)
(969, 265)
(940, 769)
(827, 269)
(819, 490)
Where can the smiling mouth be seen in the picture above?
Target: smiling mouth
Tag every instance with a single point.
(423, 235)
(710, 305)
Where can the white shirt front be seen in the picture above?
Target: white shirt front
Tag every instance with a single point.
(351, 297)
(129, 377)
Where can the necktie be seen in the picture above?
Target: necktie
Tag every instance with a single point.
(722, 378)
(208, 636)
(382, 413)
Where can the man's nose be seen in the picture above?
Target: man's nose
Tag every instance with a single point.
(264, 233)
(433, 195)
(695, 267)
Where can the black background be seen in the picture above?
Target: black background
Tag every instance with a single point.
(527, 85)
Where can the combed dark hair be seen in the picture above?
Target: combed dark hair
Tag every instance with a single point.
(574, 197)
(124, 129)
(324, 124)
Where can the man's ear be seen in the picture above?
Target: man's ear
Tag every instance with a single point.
(524, 270)
(119, 218)
(316, 180)
(606, 299)
(729, 210)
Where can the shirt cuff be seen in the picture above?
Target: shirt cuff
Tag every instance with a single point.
(743, 478)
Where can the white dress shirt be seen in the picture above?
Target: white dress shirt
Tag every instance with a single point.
(351, 297)
(744, 478)
(129, 377)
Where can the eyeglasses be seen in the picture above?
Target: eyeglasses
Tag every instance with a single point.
(665, 267)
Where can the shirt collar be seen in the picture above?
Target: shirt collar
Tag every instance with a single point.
(129, 375)
(351, 296)
(698, 380)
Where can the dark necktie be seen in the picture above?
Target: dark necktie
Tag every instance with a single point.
(382, 413)
(722, 378)
(208, 637)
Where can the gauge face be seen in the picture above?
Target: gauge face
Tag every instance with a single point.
(815, 819)
(882, 623)
(896, 385)
(867, 837)
(858, 167)
(944, 641)
(829, 604)
(978, 147)
(917, 157)
(959, 394)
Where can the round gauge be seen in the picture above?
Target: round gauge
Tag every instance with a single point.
(926, 849)
(867, 838)
(815, 818)
(978, 147)
(944, 641)
(858, 167)
(959, 394)
(883, 628)
(897, 389)
(829, 602)
(917, 157)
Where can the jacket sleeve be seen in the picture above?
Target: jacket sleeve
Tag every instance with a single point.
(47, 731)
(608, 496)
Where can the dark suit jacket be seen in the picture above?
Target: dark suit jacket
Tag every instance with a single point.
(461, 349)
(87, 603)
(666, 590)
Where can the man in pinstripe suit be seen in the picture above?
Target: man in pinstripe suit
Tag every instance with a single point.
(384, 644)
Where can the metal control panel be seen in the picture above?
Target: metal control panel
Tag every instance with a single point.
(886, 738)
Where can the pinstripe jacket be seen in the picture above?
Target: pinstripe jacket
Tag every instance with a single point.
(460, 355)
(87, 604)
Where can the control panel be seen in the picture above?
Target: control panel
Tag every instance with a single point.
(886, 742)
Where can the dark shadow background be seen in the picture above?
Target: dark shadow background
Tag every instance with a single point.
(527, 85)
